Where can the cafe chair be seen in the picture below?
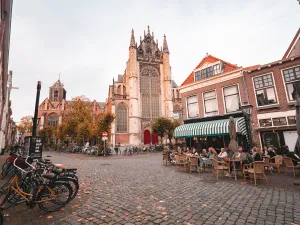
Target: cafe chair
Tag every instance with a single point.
(257, 169)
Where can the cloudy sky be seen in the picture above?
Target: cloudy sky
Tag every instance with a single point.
(87, 41)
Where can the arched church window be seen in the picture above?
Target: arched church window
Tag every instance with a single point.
(52, 120)
(122, 118)
(150, 91)
(56, 96)
(119, 90)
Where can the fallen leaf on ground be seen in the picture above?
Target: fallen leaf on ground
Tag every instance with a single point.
(161, 201)
(203, 205)
(103, 216)
(164, 213)
(90, 219)
(80, 220)
(244, 182)
(126, 214)
(75, 206)
(62, 209)
(170, 196)
(49, 217)
(74, 213)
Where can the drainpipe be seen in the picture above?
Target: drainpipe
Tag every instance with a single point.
(245, 87)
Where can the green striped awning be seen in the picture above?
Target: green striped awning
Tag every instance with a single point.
(210, 128)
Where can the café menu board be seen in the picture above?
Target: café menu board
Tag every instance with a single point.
(33, 146)
(270, 139)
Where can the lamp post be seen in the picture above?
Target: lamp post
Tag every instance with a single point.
(35, 118)
(247, 110)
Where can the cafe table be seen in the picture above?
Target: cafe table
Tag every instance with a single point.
(234, 162)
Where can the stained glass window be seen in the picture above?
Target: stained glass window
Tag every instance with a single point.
(52, 120)
(121, 118)
(150, 92)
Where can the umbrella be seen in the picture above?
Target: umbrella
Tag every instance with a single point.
(297, 146)
(233, 145)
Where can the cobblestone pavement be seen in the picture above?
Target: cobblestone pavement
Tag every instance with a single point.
(140, 190)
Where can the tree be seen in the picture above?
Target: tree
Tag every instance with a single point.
(79, 119)
(47, 133)
(170, 129)
(25, 125)
(161, 126)
(103, 123)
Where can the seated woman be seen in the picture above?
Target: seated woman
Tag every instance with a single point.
(204, 153)
(222, 154)
(212, 154)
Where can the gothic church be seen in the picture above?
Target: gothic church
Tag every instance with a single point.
(143, 93)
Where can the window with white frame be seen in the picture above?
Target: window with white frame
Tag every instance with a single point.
(208, 72)
(231, 98)
(278, 121)
(192, 106)
(210, 103)
(291, 76)
(265, 90)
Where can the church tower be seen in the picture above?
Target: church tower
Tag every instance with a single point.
(57, 92)
(150, 87)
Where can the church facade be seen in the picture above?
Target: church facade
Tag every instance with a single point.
(55, 107)
(144, 92)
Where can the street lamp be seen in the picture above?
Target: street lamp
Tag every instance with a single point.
(247, 110)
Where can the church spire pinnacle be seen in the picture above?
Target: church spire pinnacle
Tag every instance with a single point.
(148, 29)
(165, 45)
(132, 41)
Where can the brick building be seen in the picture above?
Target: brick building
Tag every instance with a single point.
(144, 92)
(214, 91)
(5, 104)
(55, 107)
(271, 92)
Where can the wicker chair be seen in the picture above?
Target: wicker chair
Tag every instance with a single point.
(257, 169)
(277, 164)
(289, 164)
(220, 165)
(194, 163)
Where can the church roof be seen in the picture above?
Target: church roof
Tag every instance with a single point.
(174, 85)
(58, 84)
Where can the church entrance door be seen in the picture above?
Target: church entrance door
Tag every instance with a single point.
(146, 137)
(154, 139)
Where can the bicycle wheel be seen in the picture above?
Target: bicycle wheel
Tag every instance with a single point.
(73, 183)
(63, 192)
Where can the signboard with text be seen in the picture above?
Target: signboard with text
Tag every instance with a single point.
(33, 146)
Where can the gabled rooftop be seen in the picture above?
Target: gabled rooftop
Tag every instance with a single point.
(209, 59)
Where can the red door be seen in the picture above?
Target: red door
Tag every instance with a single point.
(146, 137)
(154, 139)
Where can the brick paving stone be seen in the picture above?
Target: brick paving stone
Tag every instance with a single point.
(138, 189)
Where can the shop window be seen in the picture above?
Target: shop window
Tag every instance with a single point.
(291, 120)
(192, 106)
(279, 121)
(265, 90)
(265, 123)
(291, 77)
(231, 98)
(210, 103)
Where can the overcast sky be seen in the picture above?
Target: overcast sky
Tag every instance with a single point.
(87, 41)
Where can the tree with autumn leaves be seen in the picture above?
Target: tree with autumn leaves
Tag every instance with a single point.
(80, 123)
(163, 127)
(25, 125)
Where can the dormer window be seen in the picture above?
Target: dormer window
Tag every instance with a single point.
(208, 71)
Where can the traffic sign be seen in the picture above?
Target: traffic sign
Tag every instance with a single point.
(104, 138)
(104, 134)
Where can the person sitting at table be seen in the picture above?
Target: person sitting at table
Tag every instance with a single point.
(193, 151)
(272, 154)
(222, 154)
(204, 153)
(258, 156)
(265, 151)
(211, 155)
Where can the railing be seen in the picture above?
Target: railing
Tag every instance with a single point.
(176, 99)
